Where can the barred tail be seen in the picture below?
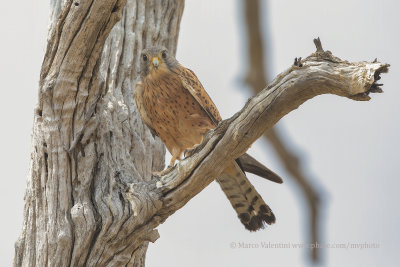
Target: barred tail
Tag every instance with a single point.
(248, 204)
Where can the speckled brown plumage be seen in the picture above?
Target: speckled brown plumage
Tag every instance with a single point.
(175, 106)
(175, 113)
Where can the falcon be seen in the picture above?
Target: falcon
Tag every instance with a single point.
(174, 105)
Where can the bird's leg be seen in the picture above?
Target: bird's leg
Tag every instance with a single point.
(176, 155)
(190, 151)
(172, 162)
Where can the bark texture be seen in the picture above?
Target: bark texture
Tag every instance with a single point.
(320, 73)
(91, 199)
(89, 145)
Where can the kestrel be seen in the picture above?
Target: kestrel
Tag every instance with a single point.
(174, 105)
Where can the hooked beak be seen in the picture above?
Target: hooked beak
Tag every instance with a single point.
(156, 62)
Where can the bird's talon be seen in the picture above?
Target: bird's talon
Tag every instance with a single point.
(186, 153)
(189, 152)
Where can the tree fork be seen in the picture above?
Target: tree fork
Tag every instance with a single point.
(320, 73)
(91, 199)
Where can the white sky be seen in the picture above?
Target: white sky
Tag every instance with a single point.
(350, 148)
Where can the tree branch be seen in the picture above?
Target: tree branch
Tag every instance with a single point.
(256, 79)
(320, 73)
(90, 198)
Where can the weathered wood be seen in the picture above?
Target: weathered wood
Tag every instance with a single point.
(91, 199)
(320, 73)
(89, 144)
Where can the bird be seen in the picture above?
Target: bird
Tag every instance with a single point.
(174, 105)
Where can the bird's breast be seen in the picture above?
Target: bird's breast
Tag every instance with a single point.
(174, 113)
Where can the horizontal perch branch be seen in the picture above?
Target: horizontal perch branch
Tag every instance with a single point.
(320, 73)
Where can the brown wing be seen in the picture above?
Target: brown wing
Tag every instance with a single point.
(196, 89)
(138, 94)
(245, 162)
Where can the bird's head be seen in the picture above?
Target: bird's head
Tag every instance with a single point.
(156, 60)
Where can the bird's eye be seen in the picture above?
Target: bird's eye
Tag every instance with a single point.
(144, 57)
(164, 54)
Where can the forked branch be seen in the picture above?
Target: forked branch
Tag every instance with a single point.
(320, 73)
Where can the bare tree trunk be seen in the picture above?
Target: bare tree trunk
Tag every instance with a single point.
(89, 143)
(91, 199)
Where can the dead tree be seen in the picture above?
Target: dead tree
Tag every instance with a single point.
(91, 199)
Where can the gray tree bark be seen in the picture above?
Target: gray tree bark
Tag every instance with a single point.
(89, 145)
(91, 199)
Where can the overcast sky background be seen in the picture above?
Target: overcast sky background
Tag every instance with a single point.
(351, 149)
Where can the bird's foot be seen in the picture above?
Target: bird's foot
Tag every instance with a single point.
(190, 151)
